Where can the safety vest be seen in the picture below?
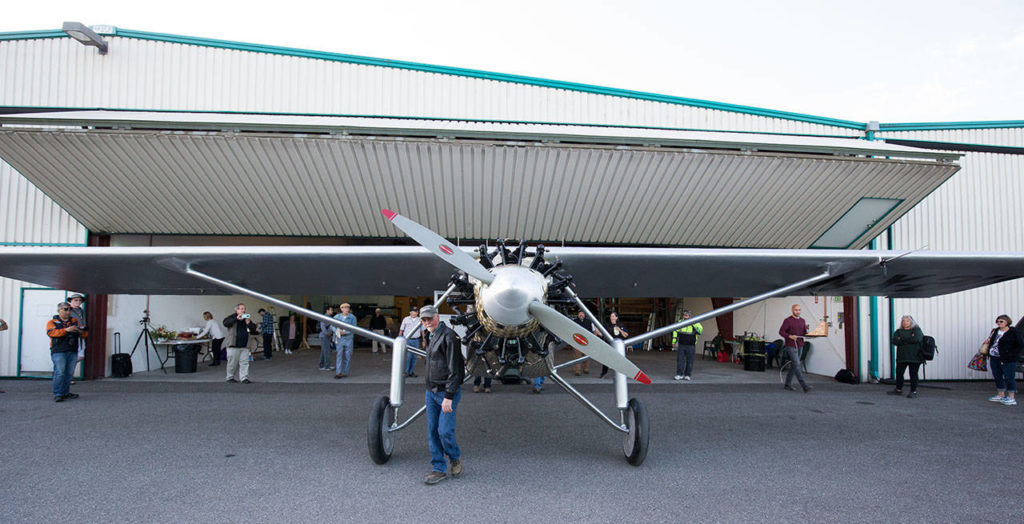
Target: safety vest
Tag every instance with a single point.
(687, 336)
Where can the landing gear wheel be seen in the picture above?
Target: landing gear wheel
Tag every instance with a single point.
(634, 445)
(378, 438)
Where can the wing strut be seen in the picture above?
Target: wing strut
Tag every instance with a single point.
(287, 305)
(731, 307)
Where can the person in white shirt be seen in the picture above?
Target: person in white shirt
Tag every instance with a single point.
(216, 334)
(412, 330)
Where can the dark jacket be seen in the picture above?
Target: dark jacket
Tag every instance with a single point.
(1009, 345)
(379, 322)
(445, 366)
(238, 337)
(61, 341)
(908, 345)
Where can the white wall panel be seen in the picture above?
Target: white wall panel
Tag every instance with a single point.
(142, 74)
(27, 216)
(978, 209)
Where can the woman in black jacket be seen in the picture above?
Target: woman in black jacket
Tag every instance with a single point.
(907, 340)
(1004, 345)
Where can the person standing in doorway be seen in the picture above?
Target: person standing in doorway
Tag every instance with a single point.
(267, 330)
(793, 330)
(240, 326)
(379, 324)
(1004, 347)
(585, 323)
(618, 331)
(345, 340)
(907, 340)
(78, 314)
(412, 330)
(685, 341)
(63, 331)
(291, 333)
(326, 341)
(216, 336)
(445, 369)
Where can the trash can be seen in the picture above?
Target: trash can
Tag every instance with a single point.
(753, 355)
(185, 358)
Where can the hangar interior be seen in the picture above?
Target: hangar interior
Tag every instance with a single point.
(207, 142)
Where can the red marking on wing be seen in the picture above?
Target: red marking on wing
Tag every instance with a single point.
(389, 214)
(642, 378)
(580, 339)
(445, 249)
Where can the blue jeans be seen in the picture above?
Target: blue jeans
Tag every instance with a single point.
(538, 382)
(344, 358)
(441, 430)
(685, 356)
(63, 369)
(325, 351)
(410, 359)
(1005, 375)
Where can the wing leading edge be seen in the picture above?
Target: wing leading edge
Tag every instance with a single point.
(406, 270)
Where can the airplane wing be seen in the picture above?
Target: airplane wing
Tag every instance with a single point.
(412, 270)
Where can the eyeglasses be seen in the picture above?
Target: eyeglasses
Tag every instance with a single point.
(65, 309)
(1000, 321)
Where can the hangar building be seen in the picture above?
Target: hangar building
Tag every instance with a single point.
(175, 140)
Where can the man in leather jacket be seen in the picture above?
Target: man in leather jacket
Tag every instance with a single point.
(445, 369)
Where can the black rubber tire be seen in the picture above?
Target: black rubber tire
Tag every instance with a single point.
(378, 439)
(635, 443)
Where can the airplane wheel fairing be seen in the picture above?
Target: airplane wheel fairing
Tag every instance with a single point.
(380, 441)
(634, 445)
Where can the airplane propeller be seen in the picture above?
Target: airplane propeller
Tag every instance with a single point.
(437, 245)
(517, 299)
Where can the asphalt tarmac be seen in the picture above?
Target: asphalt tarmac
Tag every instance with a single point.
(149, 451)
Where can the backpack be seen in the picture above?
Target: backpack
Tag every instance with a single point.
(847, 377)
(928, 349)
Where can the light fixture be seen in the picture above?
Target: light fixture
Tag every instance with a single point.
(86, 36)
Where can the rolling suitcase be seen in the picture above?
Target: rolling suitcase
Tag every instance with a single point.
(120, 363)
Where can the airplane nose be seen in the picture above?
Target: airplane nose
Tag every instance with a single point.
(507, 298)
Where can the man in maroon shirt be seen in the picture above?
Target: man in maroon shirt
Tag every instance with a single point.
(793, 330)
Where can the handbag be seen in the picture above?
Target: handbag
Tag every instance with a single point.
(979, 362)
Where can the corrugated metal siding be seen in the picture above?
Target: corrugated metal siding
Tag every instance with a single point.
(27, 216)
(1004, 136)
(978, 209)
(142, 74)
(334, 186)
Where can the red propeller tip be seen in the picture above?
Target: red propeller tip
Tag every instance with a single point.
(389, 214)
(642, 378)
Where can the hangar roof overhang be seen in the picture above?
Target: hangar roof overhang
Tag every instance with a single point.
(305, 175)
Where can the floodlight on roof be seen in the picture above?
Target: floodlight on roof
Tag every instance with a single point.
(86, 36)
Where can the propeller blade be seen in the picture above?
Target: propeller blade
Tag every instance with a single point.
(440, 247)
(585, 341)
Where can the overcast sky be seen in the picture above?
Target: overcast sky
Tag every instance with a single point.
(892, 61)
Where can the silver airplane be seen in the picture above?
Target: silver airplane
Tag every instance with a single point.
(512, 296)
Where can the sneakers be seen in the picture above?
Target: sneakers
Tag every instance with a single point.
(996, 398)
(487, 390)
(687, 377)
(912, 394)
(287, 352)
(456, 468)
(476, 389)
(897, 392)
(341, 375)
(71, 395)
(246, 381)
(1008, 401)
(536, 389)
(232, 380)
(677, 377)
(434, 477)
(58, 398)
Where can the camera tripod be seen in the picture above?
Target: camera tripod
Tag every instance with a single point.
(146, 338)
